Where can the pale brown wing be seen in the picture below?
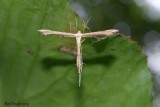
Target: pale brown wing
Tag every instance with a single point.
(102, 33)
(51, 32)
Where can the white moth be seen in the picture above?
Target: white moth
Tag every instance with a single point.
(78, 36)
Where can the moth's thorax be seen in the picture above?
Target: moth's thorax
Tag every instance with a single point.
(78, 34)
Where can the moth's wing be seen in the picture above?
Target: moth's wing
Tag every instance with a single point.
(105, 33)
(51, 32)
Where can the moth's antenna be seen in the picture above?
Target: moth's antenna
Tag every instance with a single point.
(86, 23)
(76, 21)
(88, 20)
(70, 27)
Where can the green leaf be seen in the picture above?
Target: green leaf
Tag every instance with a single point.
(33, 71)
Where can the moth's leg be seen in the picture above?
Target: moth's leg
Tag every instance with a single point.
(68, 50)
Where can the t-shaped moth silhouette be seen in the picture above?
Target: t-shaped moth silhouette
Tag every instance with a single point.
(79, 37)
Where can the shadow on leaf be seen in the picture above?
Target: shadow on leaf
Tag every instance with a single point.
(50, 62)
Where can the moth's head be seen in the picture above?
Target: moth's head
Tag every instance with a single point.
(79, 32)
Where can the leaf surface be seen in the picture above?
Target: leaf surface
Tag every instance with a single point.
(35, 72)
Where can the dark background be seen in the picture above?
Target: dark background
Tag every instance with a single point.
(132, 17)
